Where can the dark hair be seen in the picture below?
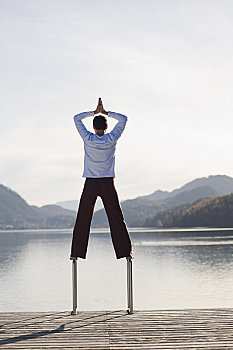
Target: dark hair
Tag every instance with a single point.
(100, 122)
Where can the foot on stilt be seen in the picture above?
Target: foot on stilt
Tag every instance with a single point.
(73, 258)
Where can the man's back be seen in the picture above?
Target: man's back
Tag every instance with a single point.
(99, 159)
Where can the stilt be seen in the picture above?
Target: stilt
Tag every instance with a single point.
(130, 286)
(75, 287)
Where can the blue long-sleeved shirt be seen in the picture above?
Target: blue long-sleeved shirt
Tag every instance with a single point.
(99, 158)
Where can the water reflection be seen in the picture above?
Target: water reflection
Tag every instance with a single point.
(171, 270)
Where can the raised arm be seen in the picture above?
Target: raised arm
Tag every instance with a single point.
(119, 127)
(79, 124)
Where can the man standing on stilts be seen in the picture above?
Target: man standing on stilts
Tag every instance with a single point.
(99, 171)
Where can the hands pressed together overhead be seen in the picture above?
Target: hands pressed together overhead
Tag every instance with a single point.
(100, 108)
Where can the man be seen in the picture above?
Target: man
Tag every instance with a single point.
(99, 171)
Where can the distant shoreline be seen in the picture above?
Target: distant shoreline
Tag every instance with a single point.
(131, 230)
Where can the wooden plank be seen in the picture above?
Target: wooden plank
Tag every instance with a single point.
(112, 330)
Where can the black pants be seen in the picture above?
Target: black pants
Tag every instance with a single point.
(103, 187)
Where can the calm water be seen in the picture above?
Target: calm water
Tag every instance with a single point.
(171, 270)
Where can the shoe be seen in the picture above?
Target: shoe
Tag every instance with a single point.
(73, 258)
(130, 257)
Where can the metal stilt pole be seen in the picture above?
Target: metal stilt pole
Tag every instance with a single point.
(75, 287)
(130, 286)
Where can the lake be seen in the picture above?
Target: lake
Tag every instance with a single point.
(172, 269)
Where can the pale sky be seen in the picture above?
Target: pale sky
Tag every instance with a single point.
(167, 65)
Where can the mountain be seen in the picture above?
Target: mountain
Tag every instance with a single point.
(156, 196)
(16, 213)
(221, 184)
(73, 204)
(211, 212)
(52, 210)
(137, 210)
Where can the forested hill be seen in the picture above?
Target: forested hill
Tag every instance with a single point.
(15, 213)
(137, 210)
(212, 212)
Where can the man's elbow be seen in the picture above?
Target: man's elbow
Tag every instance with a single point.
(125, 118)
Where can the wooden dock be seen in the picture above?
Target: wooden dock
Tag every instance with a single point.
(170, 329)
